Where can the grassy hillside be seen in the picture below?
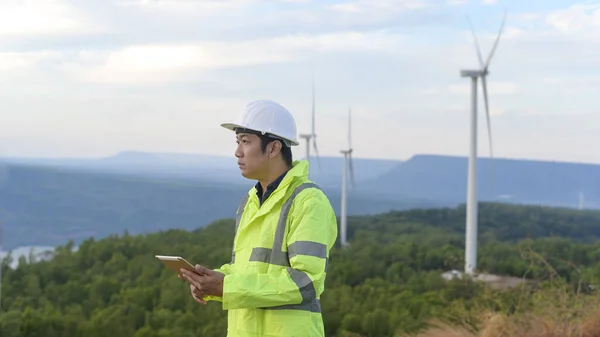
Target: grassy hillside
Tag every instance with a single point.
(387, 283)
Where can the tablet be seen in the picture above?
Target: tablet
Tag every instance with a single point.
(176, 263)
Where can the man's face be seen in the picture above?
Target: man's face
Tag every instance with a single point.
(251, 160)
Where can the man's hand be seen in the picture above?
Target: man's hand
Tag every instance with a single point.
(197, 294)
(203, 282)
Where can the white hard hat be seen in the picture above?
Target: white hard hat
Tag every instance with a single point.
(266, 116)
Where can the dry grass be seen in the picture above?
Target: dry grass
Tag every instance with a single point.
(531, 325)
(555, 310)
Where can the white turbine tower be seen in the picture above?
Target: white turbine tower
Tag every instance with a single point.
(312, 136)
(347, 168)
(471, 221)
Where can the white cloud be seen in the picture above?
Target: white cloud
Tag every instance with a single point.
(526, 17)
(23, 60)
(42, 17)
(10, 61)
(201, 7)
(429, 91)
(552, 80)
(495, 111)
(489, 2)
(512, 33)
(575, 85)
(366, 6)
(143, 63)
(494, 88)
(457, 2)
(575, 19)
(360, 12)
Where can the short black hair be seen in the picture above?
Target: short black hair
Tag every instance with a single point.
(265, 139)
(286, 151)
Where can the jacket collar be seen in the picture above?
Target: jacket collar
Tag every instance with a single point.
(264, 195)
(299, 170)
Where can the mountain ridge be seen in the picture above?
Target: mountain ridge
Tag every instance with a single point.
(47, 204)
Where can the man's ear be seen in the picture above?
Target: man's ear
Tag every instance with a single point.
(275, 148)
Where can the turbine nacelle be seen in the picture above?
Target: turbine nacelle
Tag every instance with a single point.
(348, 156)
(474, 73)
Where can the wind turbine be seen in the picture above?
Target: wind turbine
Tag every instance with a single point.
(347, 168)
(312, 136)
(471, 221)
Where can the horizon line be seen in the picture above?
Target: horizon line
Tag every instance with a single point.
(425, 154)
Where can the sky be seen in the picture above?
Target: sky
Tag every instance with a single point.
(93, 78)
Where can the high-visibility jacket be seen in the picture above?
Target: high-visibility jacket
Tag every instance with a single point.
(279, 261)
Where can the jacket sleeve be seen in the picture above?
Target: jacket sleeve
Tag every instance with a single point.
(225, 269)
(312, 231)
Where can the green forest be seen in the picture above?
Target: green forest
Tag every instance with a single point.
(387, 282)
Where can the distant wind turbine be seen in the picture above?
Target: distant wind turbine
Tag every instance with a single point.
(347, 168)
(581, 200)
(471, 222)
(312, 136)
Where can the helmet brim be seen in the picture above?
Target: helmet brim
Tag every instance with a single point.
(233, 126)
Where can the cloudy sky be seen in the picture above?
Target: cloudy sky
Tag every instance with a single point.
(94, 77)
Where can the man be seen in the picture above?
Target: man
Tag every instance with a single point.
(285, 229)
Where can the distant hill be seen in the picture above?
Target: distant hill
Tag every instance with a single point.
(146, 164)
(430, 177)
(327, 170)
(48, 205)
(45, 202)
(444, 178)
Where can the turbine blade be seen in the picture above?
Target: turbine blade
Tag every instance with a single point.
(489, 59)
(316, 152)
(307, 148)
(349, 129)
(351, 169)
(489, 125)
(476, 43)
(313, 106)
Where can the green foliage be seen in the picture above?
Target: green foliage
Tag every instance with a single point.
(387, 283)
